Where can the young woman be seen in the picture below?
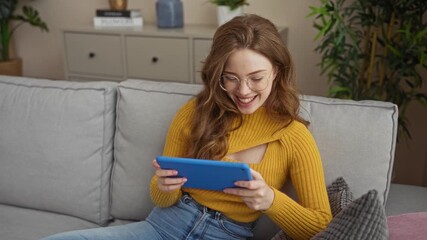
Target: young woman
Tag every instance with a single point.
(247, 112)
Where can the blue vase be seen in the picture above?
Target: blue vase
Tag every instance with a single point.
(169, 14)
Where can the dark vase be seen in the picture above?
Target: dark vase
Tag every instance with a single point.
(169, 14)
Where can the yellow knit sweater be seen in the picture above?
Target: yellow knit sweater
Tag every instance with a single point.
(291, 154)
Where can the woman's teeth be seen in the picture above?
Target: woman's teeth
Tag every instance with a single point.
(246, 100)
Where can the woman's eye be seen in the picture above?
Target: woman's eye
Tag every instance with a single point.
(231, 78)
(256, 79)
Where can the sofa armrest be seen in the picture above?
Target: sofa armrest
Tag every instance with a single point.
(405, 199)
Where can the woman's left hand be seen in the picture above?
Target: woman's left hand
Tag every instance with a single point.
(255, 193)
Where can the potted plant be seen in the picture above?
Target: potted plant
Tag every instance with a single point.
(374, 49)
(228, 9)
(29, 15)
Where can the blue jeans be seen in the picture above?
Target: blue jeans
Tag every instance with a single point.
(185, 220)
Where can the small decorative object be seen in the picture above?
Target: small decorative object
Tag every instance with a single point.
(228, 9)
(169, 14)
(118, 18)
(118, 4)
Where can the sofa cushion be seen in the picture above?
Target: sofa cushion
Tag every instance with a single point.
(27, 224)
(56, 145)
(356, 140)
(406, 198)
(144, 111)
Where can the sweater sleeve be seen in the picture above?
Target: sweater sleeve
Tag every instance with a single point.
(306, 172)
(175, 146)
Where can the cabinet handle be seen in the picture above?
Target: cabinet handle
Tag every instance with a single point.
(154, 59)
(91, 55)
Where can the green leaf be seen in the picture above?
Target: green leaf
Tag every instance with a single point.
(316, 11)
(421, 98)
(394, 50)
(232, 4)
(31, 16)
(324, 30)
(7, 8)
(339, 90)
(421, 35)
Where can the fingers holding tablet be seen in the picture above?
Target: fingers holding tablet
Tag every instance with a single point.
(166, 178)
(255, 193)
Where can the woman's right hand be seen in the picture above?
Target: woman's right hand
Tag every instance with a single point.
(166, 180)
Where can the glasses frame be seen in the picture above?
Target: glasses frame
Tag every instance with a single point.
(246, 80)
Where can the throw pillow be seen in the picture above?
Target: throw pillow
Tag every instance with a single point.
(364, 218)
(339, 195)
(281, 235)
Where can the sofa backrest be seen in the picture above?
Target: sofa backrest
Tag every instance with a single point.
(356, 140)
(56, 141)
(144, 112)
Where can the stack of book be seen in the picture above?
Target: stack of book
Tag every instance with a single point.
(117, 18)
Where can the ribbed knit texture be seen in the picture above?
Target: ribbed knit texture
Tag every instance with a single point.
(291, 154)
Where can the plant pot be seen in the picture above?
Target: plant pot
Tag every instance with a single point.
(12, 67)
(224, 14)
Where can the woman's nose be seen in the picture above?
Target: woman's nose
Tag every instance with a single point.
(243, 88)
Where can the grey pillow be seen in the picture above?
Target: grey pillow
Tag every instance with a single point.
(281, 235)
(339, 195)
(364, 218)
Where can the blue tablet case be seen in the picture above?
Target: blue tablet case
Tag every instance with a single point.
(207, 174)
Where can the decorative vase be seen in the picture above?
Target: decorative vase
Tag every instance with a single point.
(169, 14)
(224, 14)
(118, 4)
(11, 67)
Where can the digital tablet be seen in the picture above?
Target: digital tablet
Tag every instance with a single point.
(207, 174)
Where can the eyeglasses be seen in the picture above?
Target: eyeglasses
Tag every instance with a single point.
(256, 82)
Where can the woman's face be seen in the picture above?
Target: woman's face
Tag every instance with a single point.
(248, 78)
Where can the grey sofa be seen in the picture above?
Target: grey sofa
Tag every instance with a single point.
(77, 155)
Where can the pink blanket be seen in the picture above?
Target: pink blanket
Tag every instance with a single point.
(409, 226)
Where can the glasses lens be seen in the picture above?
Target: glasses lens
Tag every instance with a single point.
(229, 82)
(256, 83)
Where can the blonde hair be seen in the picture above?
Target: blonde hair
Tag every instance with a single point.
(215, 111)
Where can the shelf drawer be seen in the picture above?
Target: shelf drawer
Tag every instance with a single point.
(158, 58)
(94, 54)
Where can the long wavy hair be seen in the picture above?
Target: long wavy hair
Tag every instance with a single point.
(215, 111)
